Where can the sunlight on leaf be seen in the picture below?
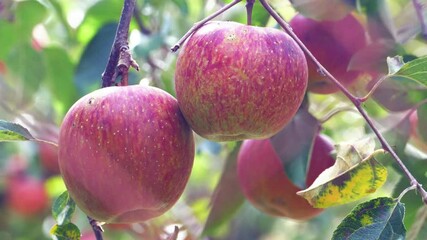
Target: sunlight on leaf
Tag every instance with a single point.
(13, 132)
(380, 218)
(394, 64)
(355, 174)
(415, 70)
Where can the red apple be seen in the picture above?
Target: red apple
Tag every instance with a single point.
(265, 184)
(125, 153)
(235, 81)
(26, 196)
(333, 43)
(48, 154)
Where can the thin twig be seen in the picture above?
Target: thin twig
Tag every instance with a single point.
(356, 101)
(249, 8)
(96, 227)
(120, 43)
(198, 25)
(334, 112)
(420, 8)
(373, 89)
(405, 191)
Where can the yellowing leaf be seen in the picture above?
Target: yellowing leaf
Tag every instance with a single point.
(355, 174)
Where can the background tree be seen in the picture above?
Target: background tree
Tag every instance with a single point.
(53, 52)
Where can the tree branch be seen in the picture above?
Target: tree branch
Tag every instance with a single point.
(356, 101)
(120, 45)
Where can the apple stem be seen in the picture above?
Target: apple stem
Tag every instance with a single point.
(120, 58)
(356, 101)
(249, 7)
(199, 24)
(96, 227)
(420, 8)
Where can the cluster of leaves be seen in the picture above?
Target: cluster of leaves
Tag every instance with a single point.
(56, 51)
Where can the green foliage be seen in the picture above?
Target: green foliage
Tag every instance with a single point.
(54, 51)
(63, 209)
(380, 218)
(293, 145)
(67, 231)
(13, 132)
(227, 197)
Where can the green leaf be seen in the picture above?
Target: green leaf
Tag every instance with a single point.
(29, 14)
(377, 219)
(418, 231)
(355, 174)
(68, 231)
(183, 6)
(28, 65)
(100, 14)
(293, 145)
(260, 16)
(9, 30)
(10, 131)
(94, 59)
(415, 70)
(227, 197)
(60, 73)
(421, 126)
(417, 166)
(63, 209)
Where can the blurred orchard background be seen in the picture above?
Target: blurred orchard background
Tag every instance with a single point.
(52, 52)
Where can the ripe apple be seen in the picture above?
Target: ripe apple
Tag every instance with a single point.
(26, 196)
(235, 81)
(265, 184)
(333, 43)
(48, 154)
(125, 153)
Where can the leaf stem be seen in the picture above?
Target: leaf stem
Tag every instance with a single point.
(120, 44)
(199, 24)
(356, 101)
(420, 8)
(249, 8)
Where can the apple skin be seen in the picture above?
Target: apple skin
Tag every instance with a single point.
(26, 196)
(236, 82)
(125, 153)
(333, 43)
(265, 184)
